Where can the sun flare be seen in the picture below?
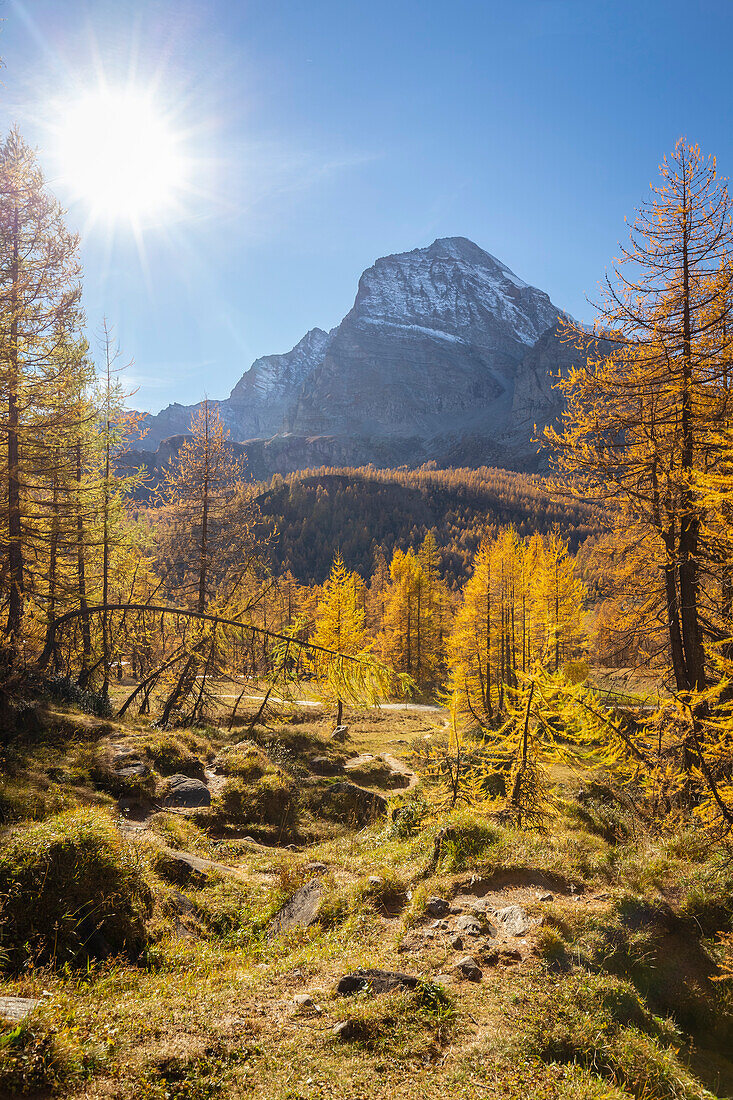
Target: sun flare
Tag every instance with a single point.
(120, 154)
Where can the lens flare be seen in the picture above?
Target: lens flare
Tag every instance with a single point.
(119, 154)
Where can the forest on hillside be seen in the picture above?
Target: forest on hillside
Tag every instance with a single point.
(362, 511)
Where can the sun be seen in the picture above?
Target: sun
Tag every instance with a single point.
(120, 155)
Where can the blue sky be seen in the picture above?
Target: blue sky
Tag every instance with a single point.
(324, 134)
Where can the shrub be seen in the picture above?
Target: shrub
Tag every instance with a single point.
(71, 888)
(269, 801)
(171, 756)
(245, 761)
(461, 844)
(21, 801)
(61, 689)
(35, 1058)
(406, 816)
(551, 947)
(387, 891)
(398, 1024)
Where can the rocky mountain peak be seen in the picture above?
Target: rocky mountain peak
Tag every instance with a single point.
(453, 288)
(431, 353)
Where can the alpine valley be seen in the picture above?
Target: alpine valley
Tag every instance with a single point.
(446, 356)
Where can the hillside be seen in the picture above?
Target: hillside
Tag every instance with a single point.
(362, 510)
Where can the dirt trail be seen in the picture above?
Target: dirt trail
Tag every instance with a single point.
(415, 708)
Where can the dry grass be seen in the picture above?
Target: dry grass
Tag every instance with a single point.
(208, 1012)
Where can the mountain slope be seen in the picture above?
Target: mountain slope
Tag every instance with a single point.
(433, 337)
(446, 355)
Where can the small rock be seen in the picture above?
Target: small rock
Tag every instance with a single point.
(181, 869)
(375, 981)
(469, 969)
(187, 793)
(437, 907)
(457, 943)
(316, 867)
(510, 955)
(340, 734)
(15, 1009)
(469, 925)
(303, 1000)
(547, 897)
(344, 1031)
(375, 882)
(132, 770)
(440, 925)
(477, 905)
(513, 919)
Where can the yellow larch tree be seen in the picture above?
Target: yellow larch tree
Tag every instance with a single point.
(339, 626)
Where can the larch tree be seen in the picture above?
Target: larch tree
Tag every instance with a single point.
(39, 309)
(209, 547)
(116, 428)
(471, 647)
(339, 626)
(642, 421)
(521, 609)
(201, 482)
(413, 634)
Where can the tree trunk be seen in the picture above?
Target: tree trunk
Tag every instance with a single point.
(15, 544)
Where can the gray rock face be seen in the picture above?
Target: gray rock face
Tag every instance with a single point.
(258, 403)
(534, 401)
(433, 361)
(256, 406)
(434, 335)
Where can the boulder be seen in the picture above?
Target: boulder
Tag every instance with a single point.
(345, 1030)
(375, 981)
(469, 925)
(181, 869)
(300, 911)
(186, 793)
(349, 803)
(132, 770)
